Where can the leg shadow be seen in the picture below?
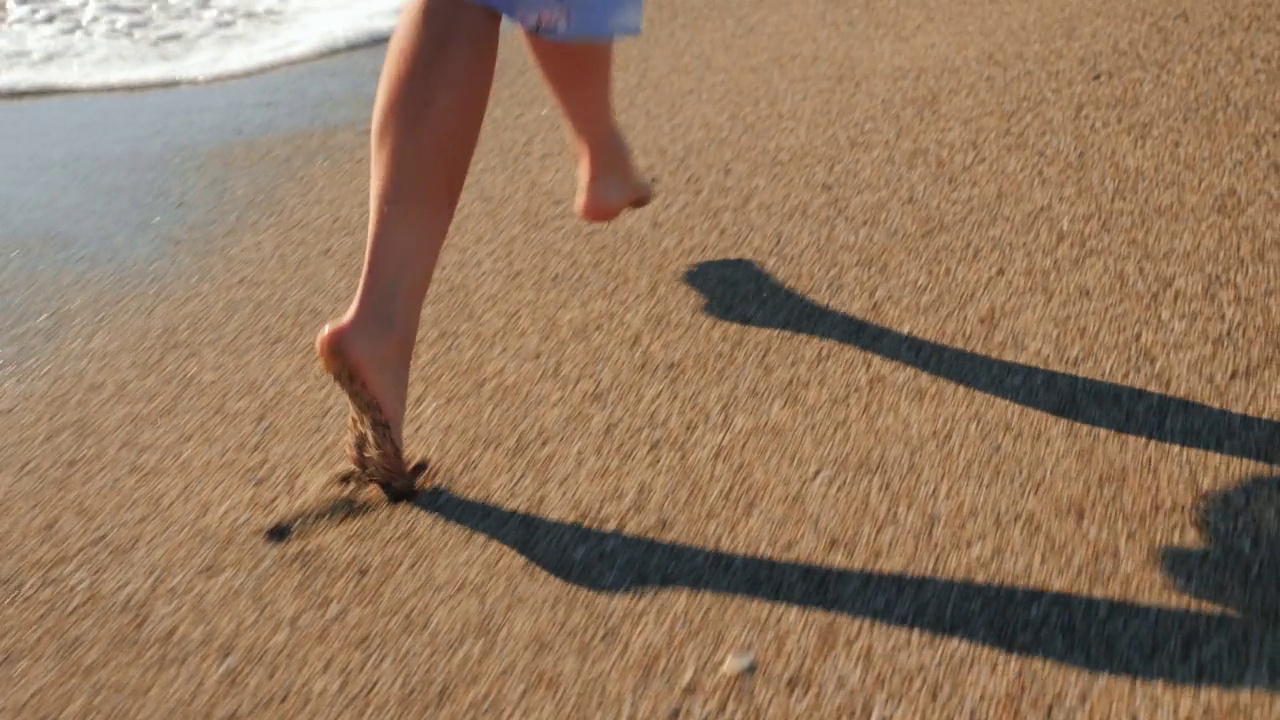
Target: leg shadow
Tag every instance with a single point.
(739, 291)
(1119, 638)
(1239, 566)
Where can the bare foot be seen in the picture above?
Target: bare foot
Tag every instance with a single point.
(608, 183)
(365, 367)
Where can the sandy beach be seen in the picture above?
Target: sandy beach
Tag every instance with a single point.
(941, 380)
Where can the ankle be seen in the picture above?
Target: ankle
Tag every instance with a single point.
(607, 152)
(390, 330)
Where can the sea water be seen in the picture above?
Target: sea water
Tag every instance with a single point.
(81, 45)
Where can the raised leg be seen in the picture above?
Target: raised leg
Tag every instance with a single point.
(579, 75)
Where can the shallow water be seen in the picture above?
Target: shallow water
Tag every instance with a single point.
(111, 185)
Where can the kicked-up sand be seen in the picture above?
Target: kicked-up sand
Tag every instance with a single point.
(941, 380)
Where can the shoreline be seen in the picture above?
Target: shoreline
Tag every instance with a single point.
(908, 386)
(41, 93)
(157, 128)
(105, 183)
(374, 42)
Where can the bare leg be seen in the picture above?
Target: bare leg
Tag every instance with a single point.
(580, 78)
(430, 104)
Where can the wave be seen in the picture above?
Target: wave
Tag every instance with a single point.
(66, 49)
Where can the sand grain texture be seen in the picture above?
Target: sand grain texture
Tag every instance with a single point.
(838, 399)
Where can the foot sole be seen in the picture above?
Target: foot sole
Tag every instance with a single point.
(371, 446)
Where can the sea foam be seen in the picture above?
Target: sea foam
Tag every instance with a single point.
(85, 45)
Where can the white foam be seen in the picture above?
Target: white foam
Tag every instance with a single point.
(80, 45)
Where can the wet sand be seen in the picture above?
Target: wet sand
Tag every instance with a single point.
(916, 384)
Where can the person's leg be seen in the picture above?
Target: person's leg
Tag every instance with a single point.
(430, 105)
(579, 75)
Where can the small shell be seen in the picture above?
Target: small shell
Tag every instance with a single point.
(740, 663)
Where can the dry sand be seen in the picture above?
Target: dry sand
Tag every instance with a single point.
(985, 304)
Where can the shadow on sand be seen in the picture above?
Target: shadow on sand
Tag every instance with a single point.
(1239, 565)
(1109, 636)
(738, 291)
(1237, 568)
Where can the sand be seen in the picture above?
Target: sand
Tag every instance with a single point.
(940, 381)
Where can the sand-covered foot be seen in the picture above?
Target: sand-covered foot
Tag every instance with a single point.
(608, 183)
(363, 368)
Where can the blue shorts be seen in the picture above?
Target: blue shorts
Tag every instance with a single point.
(572, 20)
